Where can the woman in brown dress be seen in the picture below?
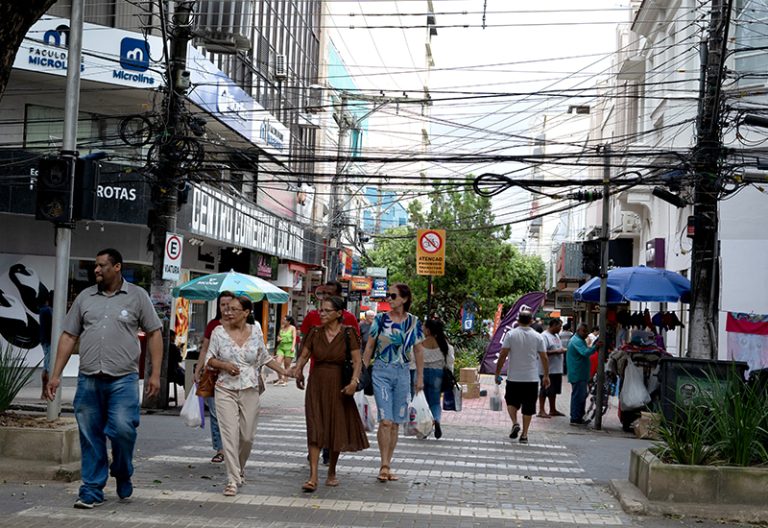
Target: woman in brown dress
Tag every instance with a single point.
(332, 417)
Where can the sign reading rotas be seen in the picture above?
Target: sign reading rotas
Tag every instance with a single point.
(430, 252)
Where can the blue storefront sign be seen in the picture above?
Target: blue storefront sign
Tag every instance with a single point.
(379, 287)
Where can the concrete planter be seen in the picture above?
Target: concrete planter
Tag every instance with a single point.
(30, 453)
(711, 492)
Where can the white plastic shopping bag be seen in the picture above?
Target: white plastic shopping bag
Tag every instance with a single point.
(366, 411)
(633, 395)
(496, 401)
(420, 420)
(192, 412)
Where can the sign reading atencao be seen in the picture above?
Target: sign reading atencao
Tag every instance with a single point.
(430, 252)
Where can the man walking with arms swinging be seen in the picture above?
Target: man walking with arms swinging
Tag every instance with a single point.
(525, 349)
(105, 320)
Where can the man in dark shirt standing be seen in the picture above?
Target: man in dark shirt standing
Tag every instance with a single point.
(105, 320)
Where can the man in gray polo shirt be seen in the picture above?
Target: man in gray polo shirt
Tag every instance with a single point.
(105, 319)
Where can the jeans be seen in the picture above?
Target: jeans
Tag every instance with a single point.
(578, 400)
(433, 382)
(215, 432)
(390, 389)
(106, 408)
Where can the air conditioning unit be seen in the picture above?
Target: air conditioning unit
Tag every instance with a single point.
(315, 103)
(281, 67)
(630, 223)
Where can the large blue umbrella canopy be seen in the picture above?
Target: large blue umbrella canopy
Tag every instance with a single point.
(637, 283)
(208, 288)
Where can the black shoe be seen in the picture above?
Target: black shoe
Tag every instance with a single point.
(515, 431)
(326, 456)
(523, 439)
(438, 431)
(580, 422)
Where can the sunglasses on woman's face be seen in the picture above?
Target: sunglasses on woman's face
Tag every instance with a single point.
(393, 295)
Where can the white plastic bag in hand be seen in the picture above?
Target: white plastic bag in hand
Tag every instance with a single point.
(365, 411)
(191, 413)
(420, 420)
(633, 395)
(496, 401)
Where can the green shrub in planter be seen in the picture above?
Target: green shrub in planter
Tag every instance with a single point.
(726, 424)
(13, 374)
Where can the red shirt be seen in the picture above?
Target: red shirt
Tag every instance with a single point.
(313, 319)
(213, 323)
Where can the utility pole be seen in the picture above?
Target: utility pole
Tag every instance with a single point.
(702, 327)
(604, 246)
(334, 233)
(347, 121)
(69, 152)
(168, 177)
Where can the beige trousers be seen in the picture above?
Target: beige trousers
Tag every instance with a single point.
(237, 412)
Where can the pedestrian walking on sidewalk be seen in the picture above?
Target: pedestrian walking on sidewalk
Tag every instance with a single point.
(333, 420)
(579, 366)
(286, 340)
(237, 349)
(312, 319)
(438, 355)
(525, 349)
(222, 309)
(105, 320)
(555, 353)
(394, 337)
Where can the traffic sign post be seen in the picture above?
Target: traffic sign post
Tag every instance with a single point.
(430, 258)
(174, 245)
(430, 252)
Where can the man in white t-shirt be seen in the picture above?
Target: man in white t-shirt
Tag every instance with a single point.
(555, 352)
(525, 349)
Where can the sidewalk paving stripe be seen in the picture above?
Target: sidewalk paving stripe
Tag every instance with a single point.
(524, 455)
(465, 440)
(475, 512)
(371, 469)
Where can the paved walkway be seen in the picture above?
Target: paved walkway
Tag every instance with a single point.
(474, 476)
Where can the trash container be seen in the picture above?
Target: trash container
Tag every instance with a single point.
(686, 378)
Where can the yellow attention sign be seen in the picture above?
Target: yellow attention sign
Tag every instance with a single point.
(430, 252)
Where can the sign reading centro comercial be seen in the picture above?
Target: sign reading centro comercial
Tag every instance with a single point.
(430, 252)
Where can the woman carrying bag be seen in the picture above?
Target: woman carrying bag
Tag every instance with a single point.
(333, 420)
(237, 350)
(438, 355)
(394, 337)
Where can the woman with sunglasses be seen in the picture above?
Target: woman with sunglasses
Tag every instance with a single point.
(237, 350)
(332, 417)
(394, 337)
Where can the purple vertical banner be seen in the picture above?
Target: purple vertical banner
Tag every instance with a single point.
(534, 301)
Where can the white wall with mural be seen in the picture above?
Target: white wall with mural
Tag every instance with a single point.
(24, 282)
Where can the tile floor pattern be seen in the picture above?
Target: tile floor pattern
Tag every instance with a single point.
(471, 477)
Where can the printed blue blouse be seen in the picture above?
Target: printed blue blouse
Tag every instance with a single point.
(395, 341)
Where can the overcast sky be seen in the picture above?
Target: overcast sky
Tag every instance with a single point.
(525, 47)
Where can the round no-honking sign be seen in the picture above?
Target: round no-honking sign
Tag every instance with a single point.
(174, 245)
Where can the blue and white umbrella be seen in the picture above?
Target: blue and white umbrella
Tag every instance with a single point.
(637, 283)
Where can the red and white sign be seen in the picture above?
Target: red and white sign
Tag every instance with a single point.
(174, 244)
(430, 252)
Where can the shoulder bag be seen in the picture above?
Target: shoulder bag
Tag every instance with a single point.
(348, 368)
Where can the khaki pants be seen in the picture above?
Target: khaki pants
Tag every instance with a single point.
(237, 412)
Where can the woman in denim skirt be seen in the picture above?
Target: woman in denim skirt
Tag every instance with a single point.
(394, 337)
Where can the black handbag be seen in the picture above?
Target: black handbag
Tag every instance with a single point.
(449, 380)
(348, 368)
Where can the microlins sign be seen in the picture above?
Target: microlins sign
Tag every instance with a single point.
(224, 218)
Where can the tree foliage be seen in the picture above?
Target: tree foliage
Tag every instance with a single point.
(479, 264)
(16, 17)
